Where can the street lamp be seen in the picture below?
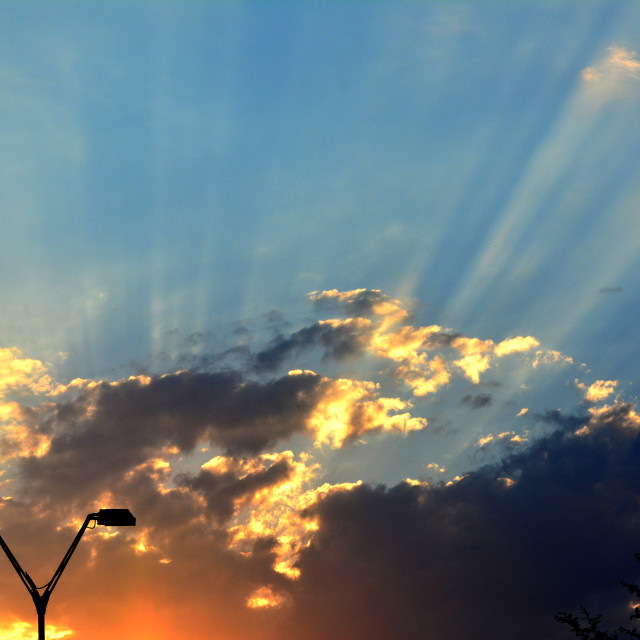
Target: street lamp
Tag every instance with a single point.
(107, 517)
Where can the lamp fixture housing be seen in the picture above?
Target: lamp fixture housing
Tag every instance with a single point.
(116, 518)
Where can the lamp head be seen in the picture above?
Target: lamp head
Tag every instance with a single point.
(116, 518)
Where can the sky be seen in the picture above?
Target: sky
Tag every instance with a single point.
(340, 299)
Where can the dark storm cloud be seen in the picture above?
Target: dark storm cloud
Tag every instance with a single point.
(559, 419)
(115, 426)
(337, 341)
(477, 401)
(491, 557)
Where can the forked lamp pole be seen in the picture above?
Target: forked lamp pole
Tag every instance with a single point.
(113, 517)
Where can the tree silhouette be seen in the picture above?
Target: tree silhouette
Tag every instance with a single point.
(587, 627)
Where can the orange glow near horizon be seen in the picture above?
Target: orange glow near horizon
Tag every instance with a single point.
(19, 630)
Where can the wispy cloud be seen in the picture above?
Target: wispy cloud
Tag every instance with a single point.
(611, 290)
(619, 61)
(614, 74)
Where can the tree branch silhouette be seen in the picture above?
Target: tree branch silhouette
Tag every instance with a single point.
(587, 626)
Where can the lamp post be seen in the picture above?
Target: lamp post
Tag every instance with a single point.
(107, 517)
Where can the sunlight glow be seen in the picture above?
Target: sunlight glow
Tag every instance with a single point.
(28, 631)
(265, 598)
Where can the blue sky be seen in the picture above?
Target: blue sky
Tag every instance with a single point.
(179, 177)
(212, 161)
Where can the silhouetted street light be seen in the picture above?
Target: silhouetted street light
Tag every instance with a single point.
(107, 517)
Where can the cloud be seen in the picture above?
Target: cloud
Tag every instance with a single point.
(551, 357)
(259, 498)
(425, 358)
(427, 379)
(116, 426)
(478, 401)
(253, 516)
(265, 597)
(94, 431)
(22, 375)
(611, 290)
(361, 302)
(339, 339)
(229, 483)
(600, 390)
(501, 549)
(519, 344)
(508, 440)
(614, 75)
(618, 61)
(348, 409)
(17, 437)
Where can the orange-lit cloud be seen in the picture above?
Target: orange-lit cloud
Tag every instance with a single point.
(519, 344)
(16, 437)
(600, 390)
(615, 76)
(422, 355)
(619, 413)
(347, 409)
(506, 437)
(619, 62)
(22, 375)
(473, 365)
(478, 353)
(275, 511)
(265, 597)
(551, 357)
(364, 302)
(262, 498)
(426, 379)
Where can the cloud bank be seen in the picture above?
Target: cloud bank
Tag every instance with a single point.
(246, 527)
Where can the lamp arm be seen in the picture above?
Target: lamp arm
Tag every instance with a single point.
(56, 576)
(24, 576)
